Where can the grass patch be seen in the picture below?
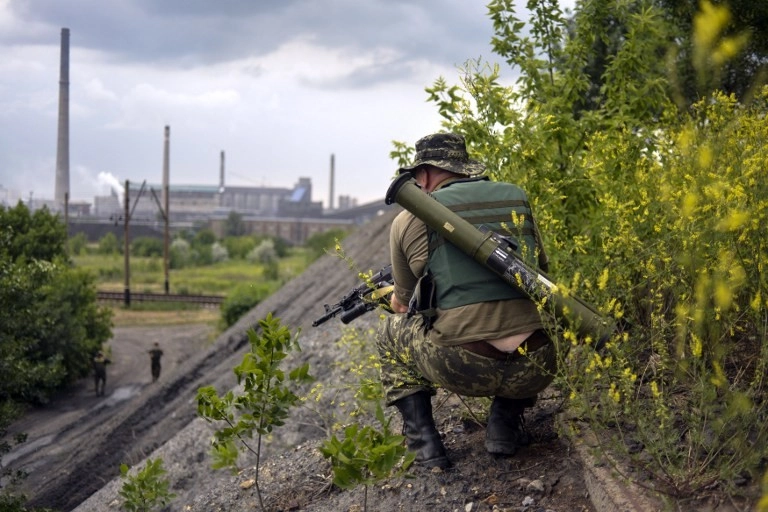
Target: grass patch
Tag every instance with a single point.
(147, 276)
(124, 317)
(147, 273)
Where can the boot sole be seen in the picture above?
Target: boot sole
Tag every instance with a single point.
(442, 463)
(498, 448)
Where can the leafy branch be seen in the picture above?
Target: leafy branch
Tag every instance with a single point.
(264, 401)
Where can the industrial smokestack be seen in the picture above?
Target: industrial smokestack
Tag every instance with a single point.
(166, 167)
(166, 203)
(330, 199)
(61, 192)
(221, 173)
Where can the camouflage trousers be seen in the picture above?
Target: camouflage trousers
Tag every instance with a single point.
(410, 363)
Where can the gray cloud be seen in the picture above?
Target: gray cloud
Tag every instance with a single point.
(191, 33)
(348, 79)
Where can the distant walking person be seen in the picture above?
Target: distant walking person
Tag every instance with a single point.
(100, 362)
(155, 354)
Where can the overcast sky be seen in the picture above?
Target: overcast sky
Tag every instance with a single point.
(278, 85)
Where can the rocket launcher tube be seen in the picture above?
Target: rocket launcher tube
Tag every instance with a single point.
(498, 254)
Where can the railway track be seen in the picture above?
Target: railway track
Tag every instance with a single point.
(208, 301)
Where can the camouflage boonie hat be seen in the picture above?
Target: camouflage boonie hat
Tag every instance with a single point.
(446, 151)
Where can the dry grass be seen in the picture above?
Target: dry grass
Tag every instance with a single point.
(122, 317)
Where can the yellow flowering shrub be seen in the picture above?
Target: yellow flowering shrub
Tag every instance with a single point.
(656, 215)
(684, 237)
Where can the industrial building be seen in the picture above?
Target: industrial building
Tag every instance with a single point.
(289, 213)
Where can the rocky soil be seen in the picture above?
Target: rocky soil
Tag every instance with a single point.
(78, 442)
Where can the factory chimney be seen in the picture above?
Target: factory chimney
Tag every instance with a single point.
(166, 206)
(330, 199)
(221, 173)
(61, 193)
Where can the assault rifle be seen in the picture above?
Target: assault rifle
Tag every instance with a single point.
(362, 299)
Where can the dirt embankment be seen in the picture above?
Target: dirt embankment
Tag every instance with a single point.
(74, 460)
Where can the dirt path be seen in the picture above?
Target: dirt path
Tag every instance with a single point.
(77, 419)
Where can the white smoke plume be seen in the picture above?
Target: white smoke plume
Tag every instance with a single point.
(106, 178)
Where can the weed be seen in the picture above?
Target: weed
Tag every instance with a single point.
(146, 489)
(361, 454)
(364, 455)
(264, 401)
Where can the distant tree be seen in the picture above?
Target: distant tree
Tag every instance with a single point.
(743, 72)
(607, 33)
(203, 237)
(202, 254)
(108, 244)
(78, 244)
(202, 245)
(146, 246)
(266, 255)
(181, 253)
(234, 225)
(281, 246)
(38, 235)
(51, 321)
(263, 253)
(607, 49)
(219, 253)
(186, 234)
(239, 246)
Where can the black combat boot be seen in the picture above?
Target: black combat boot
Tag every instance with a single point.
(506, 427)
(420, 432)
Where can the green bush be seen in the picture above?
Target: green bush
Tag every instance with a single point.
(263, 253)
(77, 244)
(147, 489)
(146, 246)
(239, 246)
(108, 244)
(154, 266)
(202, 255)
(281, 246)
(181, 253)
(204, 237)
(219, 253)
(241, 300)
(365, 455)
(234, 226)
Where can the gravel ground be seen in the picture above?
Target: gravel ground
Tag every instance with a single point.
(74, 463)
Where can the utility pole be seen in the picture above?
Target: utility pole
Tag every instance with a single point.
(126, 239)
(164, 207)
(126, 248)
(330, 196)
